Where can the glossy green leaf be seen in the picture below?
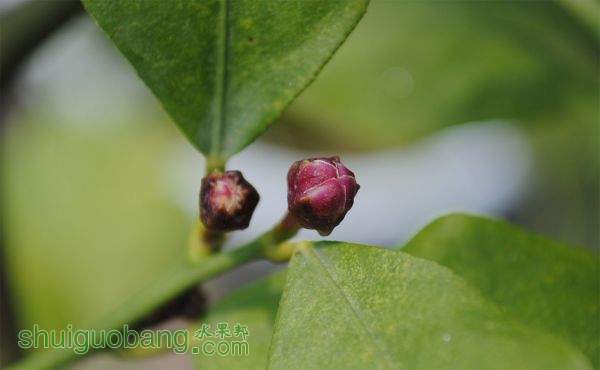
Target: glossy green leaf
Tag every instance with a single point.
(541, 283)
(254, 306)
(348, 306)
(224, 70)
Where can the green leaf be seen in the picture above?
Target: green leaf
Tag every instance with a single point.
(348, 306)
(254, 306)
(409, 56)
(541, 283)
(84, 229)
(224, 70)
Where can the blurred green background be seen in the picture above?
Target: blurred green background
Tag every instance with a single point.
(91, 207)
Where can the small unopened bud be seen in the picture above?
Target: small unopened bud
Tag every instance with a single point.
(227, 201)
(320, 193)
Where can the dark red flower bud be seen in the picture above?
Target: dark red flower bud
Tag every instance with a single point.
(227, 201)
(320, 193)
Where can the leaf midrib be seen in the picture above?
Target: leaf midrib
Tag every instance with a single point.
(327, 270)
(221, 80)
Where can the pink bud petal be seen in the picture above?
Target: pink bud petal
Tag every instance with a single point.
(350, 187)
(328, 199)
(311, 174)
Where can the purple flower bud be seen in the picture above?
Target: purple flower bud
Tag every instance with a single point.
(320, 193)
(227, 201)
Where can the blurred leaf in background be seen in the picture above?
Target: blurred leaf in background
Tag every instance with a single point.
(564, 201)
(87, 217)
(414, 67)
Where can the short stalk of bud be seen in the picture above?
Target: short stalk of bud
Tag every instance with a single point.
(275, 247)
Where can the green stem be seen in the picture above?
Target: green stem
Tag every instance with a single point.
(174, 283)
(214, 164)
(276, 251)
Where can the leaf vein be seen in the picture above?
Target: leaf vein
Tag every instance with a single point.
(328, 270)
(221, 81)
